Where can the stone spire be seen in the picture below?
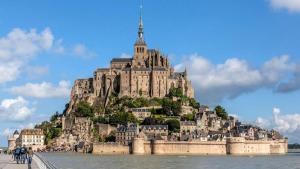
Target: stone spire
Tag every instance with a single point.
(140, 33)
(185, 72)
(140, 40)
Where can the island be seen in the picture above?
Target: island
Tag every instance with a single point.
(141, 105)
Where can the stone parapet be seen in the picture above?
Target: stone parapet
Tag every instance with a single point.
(233, 146)
(110, 148)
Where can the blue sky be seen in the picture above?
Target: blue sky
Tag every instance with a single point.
(241, 54)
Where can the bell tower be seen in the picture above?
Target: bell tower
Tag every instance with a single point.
(140, 46)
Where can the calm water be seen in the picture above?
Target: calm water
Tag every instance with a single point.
(81, 161)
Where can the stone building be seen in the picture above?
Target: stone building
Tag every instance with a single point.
(105, 129)
(148, 74)
(75, 130)
(12, 140)
(30, 137)
(125, 134)
(154, 132)
(187, 126)
(143, 112)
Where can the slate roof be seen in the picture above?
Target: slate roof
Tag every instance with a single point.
(16, 132)
(121, 60)
(156, 127)
(32, 132)
(187, 123)
(141, 69)
(176, 75)
(160, 68)
(140, 41)
(128, 128)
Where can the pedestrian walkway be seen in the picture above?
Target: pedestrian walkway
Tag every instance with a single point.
(6, 162)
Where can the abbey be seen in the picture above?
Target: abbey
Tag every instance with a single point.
(148, 74)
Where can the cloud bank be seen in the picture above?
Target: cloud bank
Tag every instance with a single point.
(234, 77)
(18, 46)
(290, 5)
(43, 90)
(82, 51)
(287, 124)
(15, 109)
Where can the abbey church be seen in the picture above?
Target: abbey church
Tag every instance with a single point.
(148, 74)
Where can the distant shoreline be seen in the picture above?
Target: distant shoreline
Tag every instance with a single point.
(293, 150)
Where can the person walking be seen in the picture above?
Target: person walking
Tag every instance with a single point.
(18, 154)
(23, 154)
(13, 154)
(30, 156)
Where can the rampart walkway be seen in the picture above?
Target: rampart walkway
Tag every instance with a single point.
(6, 162)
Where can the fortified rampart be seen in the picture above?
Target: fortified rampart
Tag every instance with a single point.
(233, 146)
(240, 146)
(110, 148)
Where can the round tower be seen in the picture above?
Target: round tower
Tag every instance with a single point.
(138, 145)
(235, 145)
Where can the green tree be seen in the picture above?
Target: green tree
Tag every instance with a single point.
(166, 106)
(54, 117)
(175, 92)
(84, 110)
(111, 138)
(194, 103)
(187, 117)
(173, 125)
(221, 112)
(176, 108)
(100, 119)
(171, 108)
(66, 108)
(155, 102)
(122, 118)
(152, 121)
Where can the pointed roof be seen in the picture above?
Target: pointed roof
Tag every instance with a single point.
(16, 132)
(140, 40)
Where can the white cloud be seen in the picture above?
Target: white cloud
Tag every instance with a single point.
(10, 70)
(15, 109)
(27, 126)
(234, 77)
(291, 85)
(286, 124)
(22, 43)
(43, 90)
(263, 123)
(125, 55)
(82, 51)
(6, 132)
(290, 5)
(18, 46)
(34, 72)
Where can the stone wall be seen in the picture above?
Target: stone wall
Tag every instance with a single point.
(190, 148)
(37, 147)
(240, 146)
(110, 148)
(234, 146)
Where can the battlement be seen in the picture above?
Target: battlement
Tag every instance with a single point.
(234, 146)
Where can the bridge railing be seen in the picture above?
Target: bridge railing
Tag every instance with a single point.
(42, 163)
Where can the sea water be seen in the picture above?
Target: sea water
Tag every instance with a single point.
(89, 161)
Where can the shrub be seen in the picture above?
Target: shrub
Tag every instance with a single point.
(173, 125)
(84, 110)
(187, 117)
(221, 112)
